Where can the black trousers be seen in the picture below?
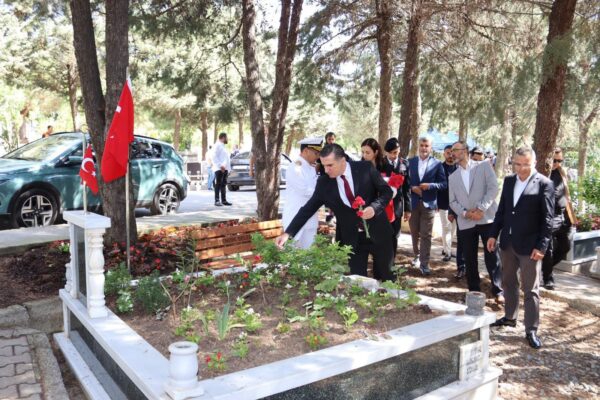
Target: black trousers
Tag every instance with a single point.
(221, 185)
(396, 225)
(557, 250)
(470, 245)
(382, 257)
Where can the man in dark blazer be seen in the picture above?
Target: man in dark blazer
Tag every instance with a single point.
(426, 178)
(336, 189)
(398, 165)
(524, 222)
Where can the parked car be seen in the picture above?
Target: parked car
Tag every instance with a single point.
(41, 179)
(240, 171)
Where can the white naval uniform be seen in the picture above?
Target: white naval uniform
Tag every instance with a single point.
(301, 179)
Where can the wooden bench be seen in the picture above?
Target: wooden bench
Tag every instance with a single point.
(216, 246)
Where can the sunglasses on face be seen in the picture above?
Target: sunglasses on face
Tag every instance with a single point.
(558, 161)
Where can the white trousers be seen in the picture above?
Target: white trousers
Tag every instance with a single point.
(448, 231)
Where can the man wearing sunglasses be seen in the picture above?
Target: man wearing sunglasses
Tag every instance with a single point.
(561, 223)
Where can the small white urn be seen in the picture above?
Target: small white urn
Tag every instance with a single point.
(183, 371)
(475, 302)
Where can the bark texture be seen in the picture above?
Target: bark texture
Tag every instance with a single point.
(384, 47)
(410, 78)
(204, 130)
(72, 91)
(266, 149)
(552, 89)
(584, 128)
(177, 129)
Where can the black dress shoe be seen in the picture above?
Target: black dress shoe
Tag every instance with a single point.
(505, 322)
(447, 258)
(549, 285)
(425, 270)
(533, 340)
(226, 203)
(460, 274)
(218, 203)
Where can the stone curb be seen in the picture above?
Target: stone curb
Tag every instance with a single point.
(52, 382)
(44, 315)
(574, 302)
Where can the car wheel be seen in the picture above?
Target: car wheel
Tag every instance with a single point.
(233, 188)
(166, 200)
(33, 208)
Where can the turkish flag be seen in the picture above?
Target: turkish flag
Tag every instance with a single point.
(119, 136)
(88, 170)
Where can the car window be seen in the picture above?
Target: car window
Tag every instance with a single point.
(45, 150)
(145, 149)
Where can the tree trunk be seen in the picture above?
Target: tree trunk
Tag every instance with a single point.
(411, 76)
(240, 118)
(584, 127)
(98, 109)
(267, 155)
(384, 41)
(463, 126)
(290, 140)
(504, 142)
(177, 130)
(215, 129)
(117, 61)
(416, 123)
(72, 92)
(552, 89)
(204, 130)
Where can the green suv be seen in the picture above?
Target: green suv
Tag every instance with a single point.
(41, 179)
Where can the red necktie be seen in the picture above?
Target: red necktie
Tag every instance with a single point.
(347, 189)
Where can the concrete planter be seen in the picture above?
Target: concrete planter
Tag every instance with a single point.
(582, 255)
(445, 357)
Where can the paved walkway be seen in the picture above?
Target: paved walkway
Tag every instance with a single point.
(28, 368)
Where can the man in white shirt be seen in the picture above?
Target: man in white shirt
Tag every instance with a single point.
(301, 179)
(221, 166)
(472, 194)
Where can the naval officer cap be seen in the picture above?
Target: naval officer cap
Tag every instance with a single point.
(311, 143)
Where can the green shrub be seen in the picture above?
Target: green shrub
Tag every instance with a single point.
(117, 279)
(124, 301)
(590, 190)
(150, 293)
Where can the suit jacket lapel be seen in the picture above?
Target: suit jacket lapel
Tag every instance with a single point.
(355, 180)
(529, 182)
(472, 173)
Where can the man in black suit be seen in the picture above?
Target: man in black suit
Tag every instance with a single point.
(524, 222)
(336, 189)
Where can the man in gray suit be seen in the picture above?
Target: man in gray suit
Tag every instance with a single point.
(472, 192)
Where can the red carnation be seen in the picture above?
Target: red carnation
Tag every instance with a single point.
(396, 180)
(358, 202)
(359, 213)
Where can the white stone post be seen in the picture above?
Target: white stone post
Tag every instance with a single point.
(183, 371)
(595, 269)
(95, 273)
(94, 226)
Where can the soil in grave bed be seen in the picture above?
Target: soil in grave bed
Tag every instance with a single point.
(277, 338)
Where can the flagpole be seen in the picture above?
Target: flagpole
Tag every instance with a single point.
(84, 145)
(127, 215)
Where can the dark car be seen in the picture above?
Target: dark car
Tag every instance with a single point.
(240, 171)
(41, 179)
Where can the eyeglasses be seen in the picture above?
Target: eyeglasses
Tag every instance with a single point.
(558, 161)
(458, 149)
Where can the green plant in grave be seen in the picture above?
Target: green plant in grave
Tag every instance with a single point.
(349, 315)
(402, 284)
(283, 328)
(246, 316)
(223, 320)
(241, 346)
(188, 316)
(150, 293)
(124, 301)
(117, 279)
(267, 249)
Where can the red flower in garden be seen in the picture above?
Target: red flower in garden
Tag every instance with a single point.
(207, 359)
(358, 202)
(157, 260)
(257, 258)
(219, 356)
(245, 275)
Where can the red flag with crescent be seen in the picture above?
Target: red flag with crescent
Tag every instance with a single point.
(120, 134)
(88, 170)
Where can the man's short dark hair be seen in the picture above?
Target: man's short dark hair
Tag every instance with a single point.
(222, 135)
(448, 147)
(328, 135)
(334, 148)
(391, 144)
